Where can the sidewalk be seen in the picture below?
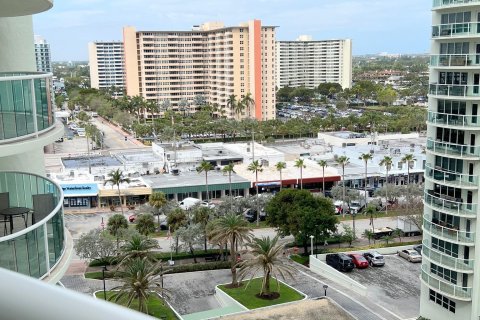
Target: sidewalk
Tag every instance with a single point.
(121, 131)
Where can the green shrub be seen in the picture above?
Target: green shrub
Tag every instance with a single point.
(191, 267)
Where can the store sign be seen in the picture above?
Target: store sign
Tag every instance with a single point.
(85, 189)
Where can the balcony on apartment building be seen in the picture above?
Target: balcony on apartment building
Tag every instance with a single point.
(454, 90)
(453, 149)
(454, 60)
(448, 177)
(449, 204)
(455, 30)
(448, 3)
(450, 233)
(447, 288)
(454, 120)
(443, 259)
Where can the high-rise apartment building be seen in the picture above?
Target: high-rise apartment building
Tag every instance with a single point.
(210, 61)
(106, 65)
(450, 273)
(307, 63)
(36, 245)
(42, 54)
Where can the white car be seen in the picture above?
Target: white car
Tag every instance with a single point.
(410, 255)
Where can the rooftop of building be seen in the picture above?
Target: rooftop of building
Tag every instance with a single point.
(137, 156)
(93, 161)
(217, 151)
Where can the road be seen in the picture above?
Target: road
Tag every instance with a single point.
(114, 136)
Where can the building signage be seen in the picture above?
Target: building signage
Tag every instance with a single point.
(80, 190)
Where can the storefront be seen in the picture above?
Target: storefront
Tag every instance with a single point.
(83, 195)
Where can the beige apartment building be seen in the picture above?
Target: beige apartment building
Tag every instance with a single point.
(211, 62)
(105, 59)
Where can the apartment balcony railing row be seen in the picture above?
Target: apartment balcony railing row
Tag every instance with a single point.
(457, 264)
(446, 3)
(454, 60)
(456, 120)
(447, 288)
(454, 90)
(454, 149)
(446, 204)
(452, 30)
(455, 235)
(452, 178)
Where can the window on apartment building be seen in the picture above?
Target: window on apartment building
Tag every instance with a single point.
(442, 301)
(453, 78)
(452, 107)
(454, 48)
(447, 274)
(449, 248)
(456, 17)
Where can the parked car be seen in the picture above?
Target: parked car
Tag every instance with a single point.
(251, 215)
(340, 261)
(374, 258)
(418, 248)
(188, 203)
(411, 255)
(358, 260)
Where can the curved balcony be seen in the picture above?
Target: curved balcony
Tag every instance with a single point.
(439, 4)
(23, 7)
(454, 60)
(454, 90)
(453, 149)
(34, 249)
(446, 288)
(449, 234)
(457, 264)
(449, 178)
(455, 30)
(449, 206)
(26, 105)
(454, 120)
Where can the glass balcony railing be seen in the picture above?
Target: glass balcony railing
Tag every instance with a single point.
(25, 104)
(454, 90)
(446, 260)
(448, 177)
(454, 60)
(446, 3)
(458, 207)
(457, 292)
(457, 120)
(459, 150)
(455, 235)
(32, 250)
(455, 30)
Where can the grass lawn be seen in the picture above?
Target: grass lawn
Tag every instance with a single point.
(303, 260)
(156, 308)
(248, 299)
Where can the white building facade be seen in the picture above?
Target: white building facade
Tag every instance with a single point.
(307, 63)
(43, 55)
(106, 63)
(450, 280)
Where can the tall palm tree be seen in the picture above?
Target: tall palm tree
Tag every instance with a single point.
(205, 166)
(140, 279)
(280, 166)
(138, 247)
(231, 229)
(232, 103)
(266, 256)
(365, 157)
(300, 163)
(116, 178)
(158, 201)
(343, 161)
(229, 170)
(408, 159)
(248, 102)
(256, 167)
(387, 162)
(323, 164)
(116, 225)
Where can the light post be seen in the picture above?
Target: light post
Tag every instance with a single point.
(325, 287)
(311, 244)
(104, 268)
(316, 240)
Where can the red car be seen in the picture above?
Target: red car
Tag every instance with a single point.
(359, 261)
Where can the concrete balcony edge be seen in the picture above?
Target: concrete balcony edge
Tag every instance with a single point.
(23, 7)
(59, 269)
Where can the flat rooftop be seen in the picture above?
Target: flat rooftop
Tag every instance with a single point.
(190, 178)
(95, 161)
(138, 157)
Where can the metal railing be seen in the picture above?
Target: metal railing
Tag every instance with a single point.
(453, 149)
(449, 206)
(446, 3)
(446, 260)
(454, 60)
(446, 288)
(448, 177)
(452, 30)
(455, 235)
(454, 90)
(456, 120)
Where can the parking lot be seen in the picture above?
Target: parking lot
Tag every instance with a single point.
(395, 286)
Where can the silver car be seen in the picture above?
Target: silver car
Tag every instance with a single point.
(411, 255)
(374, 258)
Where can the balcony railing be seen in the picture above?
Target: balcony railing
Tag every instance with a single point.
(450, 206)
(26, 105)
(454, 60)
(446, 3)
(448, 233)
(452, 178)
(454, 90)
(446, 260)
(455, 29)
(453, 149)
(456, 120)
(34, 250)
(454, 291)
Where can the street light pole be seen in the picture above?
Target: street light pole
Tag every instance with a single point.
(311, 244)
(316, 240)
(325, 287)
(104, 268)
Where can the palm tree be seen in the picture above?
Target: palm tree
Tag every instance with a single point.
(365, 157)
(116, 225)
(280, 166)
(138, 247)
(267, 255)
(232, 103)
(231, 229)
(248, 102)
(158, 201)
(256, 167)
(140, 279)
(205, 166)
(323, 164)
(371, 211)
(343, 161)
(145, 224)
(115, 179)
(229, 170)
(408, 159)
(387, 162)
(299, 163)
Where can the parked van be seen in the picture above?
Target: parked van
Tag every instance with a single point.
(188, 203)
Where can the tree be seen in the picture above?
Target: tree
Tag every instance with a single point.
(300, 163)
(138, 247)
(348, 234)
(387, 161)
(177, 219)
(408, 159)
(256, 167)
(368, 234)
(248, 102)
(387, 95)
(190, 236)
(365, 157)
(232, 104)
(116, 225)
(205, 166)
(398, 233)
(343, 161)
(323, 164)
(140, 279)
(231, 229)
(280, 166)
(95, 245)
(201, 216)
(372, 212)
(116, 178)
(145, 224)
(228, 169)
(387, 238)
(158, 201)
(266, 255)
(298, 213)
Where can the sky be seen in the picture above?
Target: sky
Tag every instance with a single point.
(373, 25)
